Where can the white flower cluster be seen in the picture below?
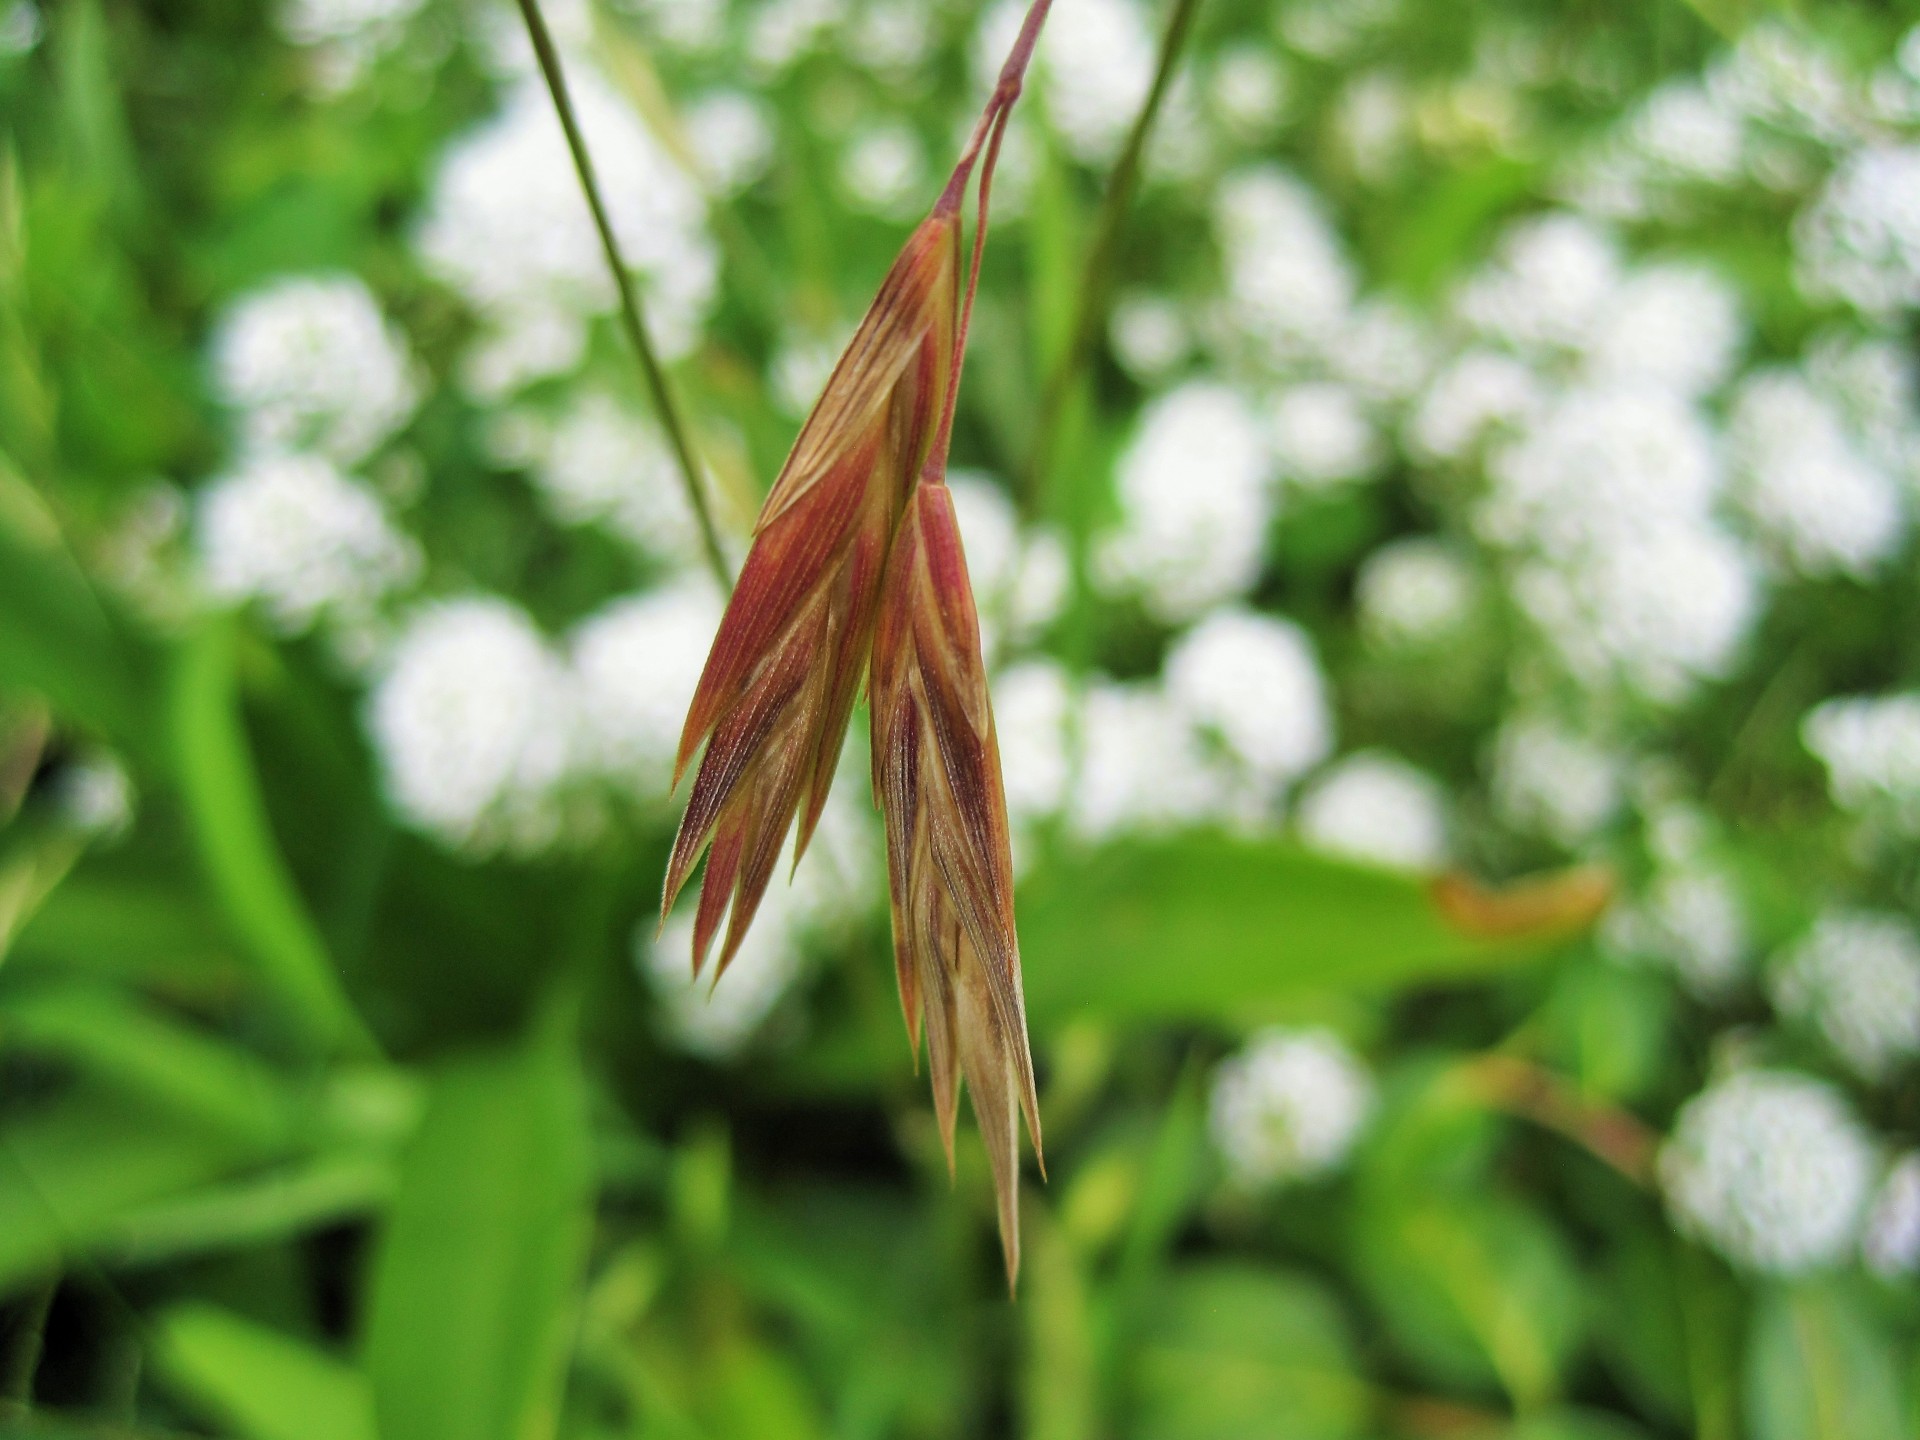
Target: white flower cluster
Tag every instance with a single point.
(1810, 488)
(1690, 919)
(1860, 240)
(1856, 976)
(1376, 808)
(1554, 781)
(506, 225)
(1605, 488)
(1289, 1107)
(305, 541)
(1091, 70)
(1891, 1245)
(474, 725)
(598, 462)
(1772, 1169)
(1195, 502)
(1871, 748)
(490, 737)
(1762, 112)
(1239, 713)
(1414, 593)
(1020, 580)
(347, 36)
(310, 363)
(717, 1017)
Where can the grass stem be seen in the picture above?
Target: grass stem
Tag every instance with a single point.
(1090, 309)
(631, 316)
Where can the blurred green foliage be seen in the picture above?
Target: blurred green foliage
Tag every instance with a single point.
(310, 1130)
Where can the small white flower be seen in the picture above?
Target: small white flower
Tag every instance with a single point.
(507, 227)
(1373, 120)
(716, 1017)
(1860, 241)
(1031, 704)
(310, 362)
(1549, 284)
(1094, 63)
(693, 26)
(20, 28)
(1805, 483)
(1871, 748)
(95, 796)
(474, 726)
(884, 170)
(294, 534)
(781, 31)
(801, 367)
(731, 136)
(1253, 681)
(1856, 975)
(1150, 335)
(1019, 581)
(1194, 503)
(637, 663)
(1690, 133)
(1289, 285)
(1377, 808)
(349, 34)
(607, 465)
(1414, 592)
(1690, 919)
(1771, 1169)
(1549, 779)
(1249, 89)
(1676, 326)
(1891, 1245)
(1482, 392)
(893, 37)
(1141, 766)
(1321, 435)
(1289, 1107)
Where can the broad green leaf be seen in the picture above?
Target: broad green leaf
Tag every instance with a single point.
(1820, 1369)
(56, 639)
(142, 930)
(1571, 1424)
(1473, 1288)
(237, 847)
(1206, 926)
(262, 1384)
(279, 1205)
(473, 1284)
(151, 1056)
(69, 1173)
(1233, 1351)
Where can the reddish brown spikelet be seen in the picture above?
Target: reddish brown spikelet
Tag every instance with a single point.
(936, 774)
(775, 698)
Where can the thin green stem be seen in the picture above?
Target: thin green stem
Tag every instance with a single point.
(24, 1348)
(1091, 304)
(630, 313)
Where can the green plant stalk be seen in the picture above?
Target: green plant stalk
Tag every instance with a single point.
(1091, 302)
(632, 320)
(227, 817)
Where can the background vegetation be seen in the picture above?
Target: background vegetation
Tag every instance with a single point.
(1485, 449)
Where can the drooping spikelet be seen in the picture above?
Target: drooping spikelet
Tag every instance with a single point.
(774, 700)
(936, 775)
(856, 556)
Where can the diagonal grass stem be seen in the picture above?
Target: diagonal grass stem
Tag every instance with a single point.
(631, 316)
(1090, 308)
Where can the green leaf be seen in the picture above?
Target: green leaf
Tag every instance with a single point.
(473, 1285)
(56, 638)
(1236, 1351)
(262, 1384)
(151, 1056)
(1819, 1369)
(1473, 1288)
(70, 1172)
(238, 850)
(1205, 926)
